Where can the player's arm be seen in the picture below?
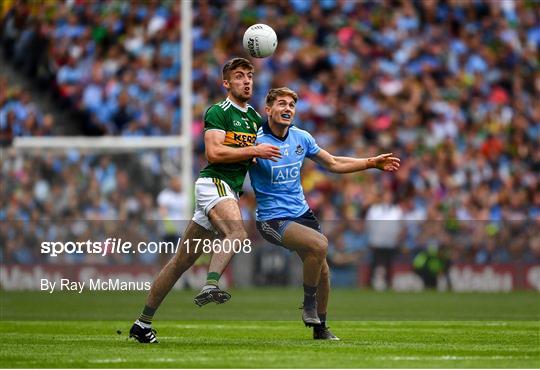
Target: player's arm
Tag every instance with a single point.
(384, 162)
(217, 152)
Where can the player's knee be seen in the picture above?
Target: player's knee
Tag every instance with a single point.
(321, 247)
(325, 271)
(325, 274)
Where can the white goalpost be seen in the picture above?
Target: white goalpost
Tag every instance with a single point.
(186, 93)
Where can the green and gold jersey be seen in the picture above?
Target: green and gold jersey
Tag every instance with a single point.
(240, 127)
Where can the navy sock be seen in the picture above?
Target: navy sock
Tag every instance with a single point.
(310, 296)
(322, 317)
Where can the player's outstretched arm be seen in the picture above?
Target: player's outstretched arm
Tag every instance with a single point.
(384, 162)
(217, 152)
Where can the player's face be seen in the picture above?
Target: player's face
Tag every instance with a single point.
(282, 110)
(240, 84)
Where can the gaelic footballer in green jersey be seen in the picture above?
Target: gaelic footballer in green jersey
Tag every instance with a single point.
(240, 126)
(230, 132)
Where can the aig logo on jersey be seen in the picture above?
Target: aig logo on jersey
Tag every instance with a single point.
(286, 173)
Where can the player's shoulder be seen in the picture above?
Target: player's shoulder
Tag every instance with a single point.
(218, 107)
(216, 111)
(298, 132)
(251, 109)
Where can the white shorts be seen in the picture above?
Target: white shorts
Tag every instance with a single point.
(208, 193)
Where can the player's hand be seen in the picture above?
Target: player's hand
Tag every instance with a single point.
(386, 162)
(267, 151)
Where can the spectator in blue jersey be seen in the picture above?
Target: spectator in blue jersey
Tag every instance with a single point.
(283, 215)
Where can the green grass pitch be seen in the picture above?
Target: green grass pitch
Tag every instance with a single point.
(262, 328)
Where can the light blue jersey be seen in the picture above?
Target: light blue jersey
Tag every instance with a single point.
(277, 185)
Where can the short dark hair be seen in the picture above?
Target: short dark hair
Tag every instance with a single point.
(280, 91)
(235, 63)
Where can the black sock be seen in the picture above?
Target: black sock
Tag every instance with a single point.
(322, 317)
(310, 296)
(147, 315)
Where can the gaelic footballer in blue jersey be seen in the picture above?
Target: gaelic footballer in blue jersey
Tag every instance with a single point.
(283, 215)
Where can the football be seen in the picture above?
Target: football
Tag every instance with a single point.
(260, 40)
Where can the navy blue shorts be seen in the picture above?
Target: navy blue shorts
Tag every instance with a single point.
(272, 230)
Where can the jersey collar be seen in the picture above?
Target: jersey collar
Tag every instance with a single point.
(268, 131)
(238, 107)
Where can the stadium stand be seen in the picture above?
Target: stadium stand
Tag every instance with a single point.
(425, 80)
(19, 115)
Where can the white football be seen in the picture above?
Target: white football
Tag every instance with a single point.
(260, 40)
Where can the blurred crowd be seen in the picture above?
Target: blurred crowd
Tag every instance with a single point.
(74, 197)
(19, 115)
(116, 64)
(451, 87)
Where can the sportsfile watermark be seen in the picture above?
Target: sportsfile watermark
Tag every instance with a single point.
(120, 246)
(96, 266)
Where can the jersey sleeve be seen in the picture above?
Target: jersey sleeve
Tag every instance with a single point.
(214, 119)
(312, 146)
